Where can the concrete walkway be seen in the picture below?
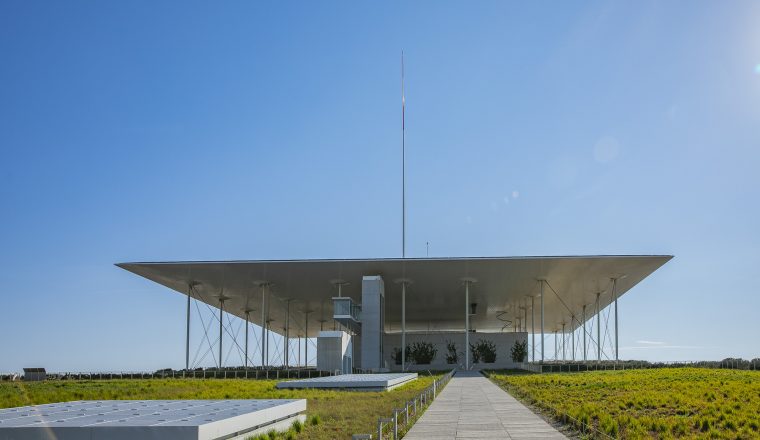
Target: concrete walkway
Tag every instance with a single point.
(472, 407)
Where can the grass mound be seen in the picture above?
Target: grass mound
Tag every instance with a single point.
(331, 414)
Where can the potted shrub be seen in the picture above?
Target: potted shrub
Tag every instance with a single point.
(475, 354)
(486, 350)
(396, 355)
(519, 351)
(423, 352)
(452, 357)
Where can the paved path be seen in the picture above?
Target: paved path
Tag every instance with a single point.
(472, 407)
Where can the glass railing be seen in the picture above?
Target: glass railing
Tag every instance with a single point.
(343, 307)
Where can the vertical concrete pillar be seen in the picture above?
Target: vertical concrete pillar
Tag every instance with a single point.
(373, 322)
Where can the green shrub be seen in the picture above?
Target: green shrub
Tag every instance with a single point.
(396, 355)
(315, 420)
(608, 425)
(474, 353)
(423, 352)
(704, 425)
(486, 351)
(452, 357)
(519, 351)
(297, 426)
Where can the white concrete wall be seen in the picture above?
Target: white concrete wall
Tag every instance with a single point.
(332, 348)
(503, 341)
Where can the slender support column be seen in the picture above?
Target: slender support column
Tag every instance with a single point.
(266, 335)
(598, 330)
(556, 346)
(564, 339)
(466, 325)
(584, 333)
(187, 334)
(542, 321)
(572, 321)
(306, 341)
(533, 326)
(263, 322)
(403, 326)
(525, 318)
(614, 293)
(221, 317)
(287, 334)
(467, 282)
(404, 283)
(247, 319)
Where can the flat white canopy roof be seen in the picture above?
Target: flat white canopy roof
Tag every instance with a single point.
(435, 300)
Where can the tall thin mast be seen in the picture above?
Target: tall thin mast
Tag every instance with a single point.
(403, 163)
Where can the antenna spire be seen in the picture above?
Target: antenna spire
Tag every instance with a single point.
(403, 162)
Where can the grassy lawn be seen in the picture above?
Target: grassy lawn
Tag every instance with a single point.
(341, 413)
(656, 403)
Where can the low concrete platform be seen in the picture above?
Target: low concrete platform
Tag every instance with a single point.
(473, 407)
(353, 382)
(149, 419)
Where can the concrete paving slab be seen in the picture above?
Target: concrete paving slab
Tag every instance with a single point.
(353, 382)
(471, 406)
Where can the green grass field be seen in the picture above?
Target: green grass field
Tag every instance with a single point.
(656, 403)
(341, 413)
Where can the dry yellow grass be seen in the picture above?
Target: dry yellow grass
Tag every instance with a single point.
(656, 403)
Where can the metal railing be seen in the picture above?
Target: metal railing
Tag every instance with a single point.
(209, 373)
(403, 418)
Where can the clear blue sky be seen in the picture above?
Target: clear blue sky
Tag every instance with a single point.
(137, 131)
